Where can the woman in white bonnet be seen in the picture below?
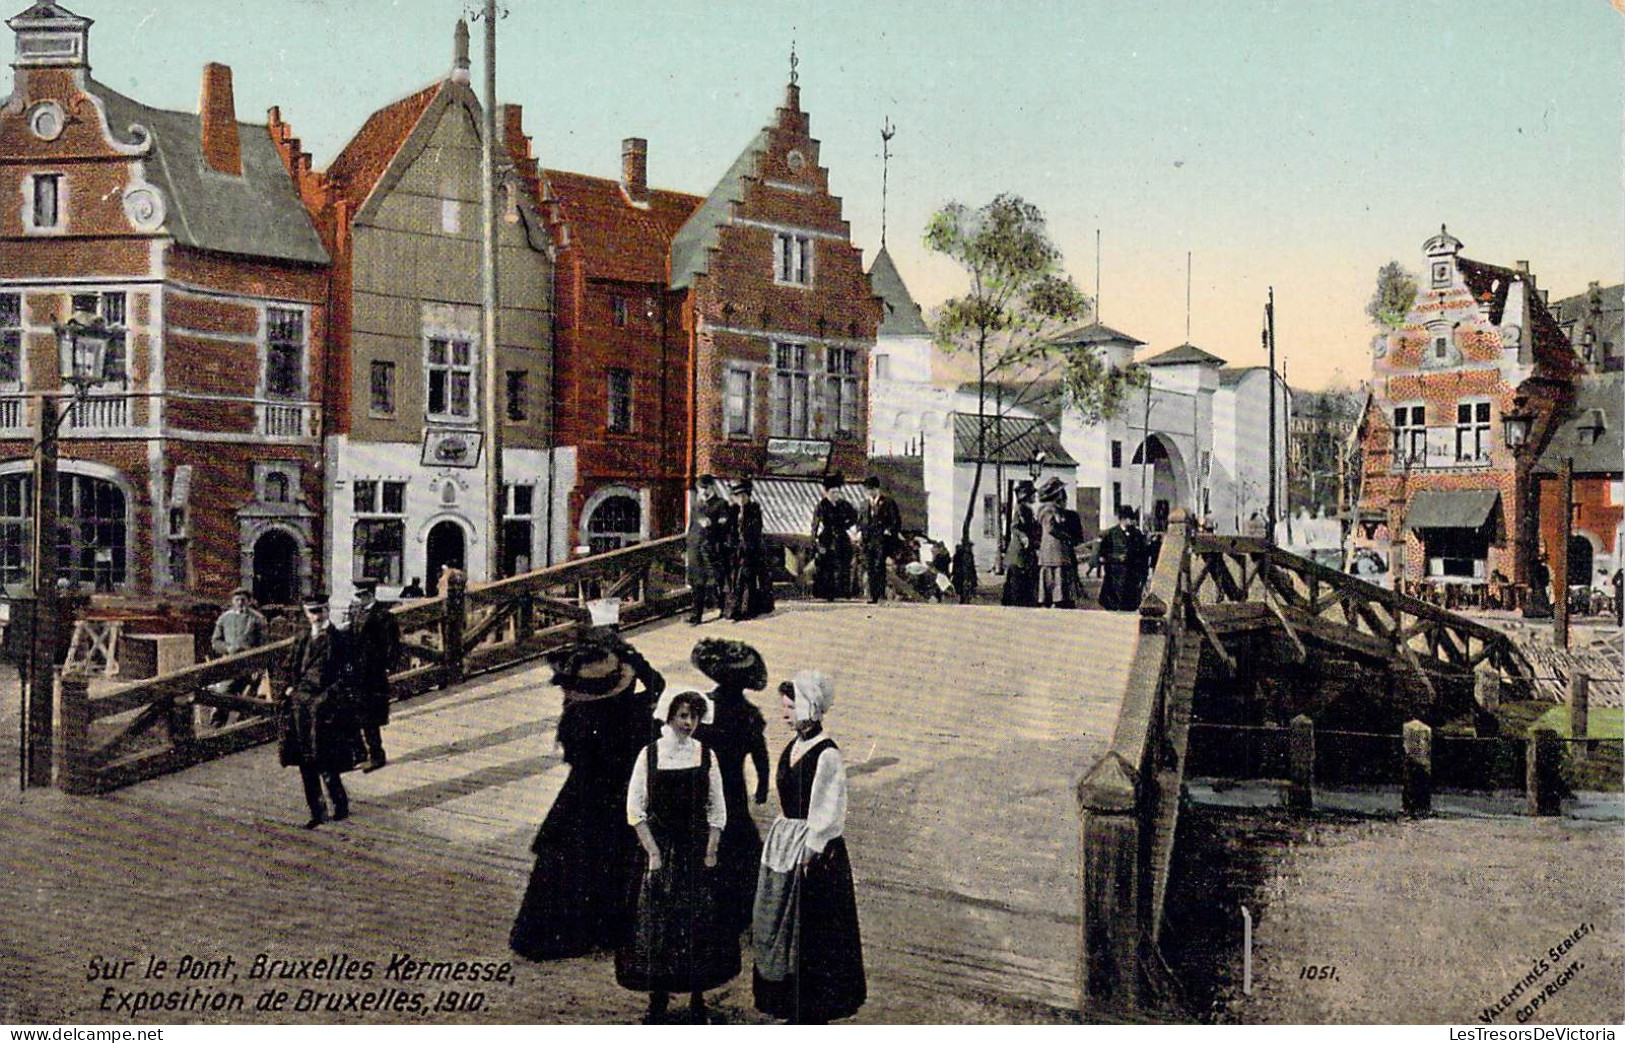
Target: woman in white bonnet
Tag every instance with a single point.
(809, 953)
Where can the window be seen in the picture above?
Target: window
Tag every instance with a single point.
(379, 543)
(11, 338)
(1117, 498)
(841, 391)
(1441, 347)
(792, 259)
(990, 515)
(619, 383)
(518, 531)
(1472, 432)
(736, 403)
(1410, 435)
(284, 353)
(1456, 553)
(518, 395)
(382, 384)
(15, 504)
(90, 535)
(45, 203)
(618, 304)
(789, 391)
(882, 367)
(1117, 453)
(615, 523)
(451, 378)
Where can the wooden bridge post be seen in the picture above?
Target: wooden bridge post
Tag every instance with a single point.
(1487, 688)
(1113, 892)
(1580, 710)
(452, 626)
(1300, 789)
(70, 737)
(1543, 778)
(1417, 793)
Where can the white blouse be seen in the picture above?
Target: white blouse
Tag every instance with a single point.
(673, 752)
(826, 810)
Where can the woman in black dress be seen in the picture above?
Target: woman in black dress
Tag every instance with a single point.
(588, 862)
(809, 952)
(735, 733)
(674, 802)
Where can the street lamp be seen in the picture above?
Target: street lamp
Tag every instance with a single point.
(1035, 467)
(82, 350)
(1517, 422)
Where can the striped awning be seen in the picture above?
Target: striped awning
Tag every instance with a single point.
(788, 503)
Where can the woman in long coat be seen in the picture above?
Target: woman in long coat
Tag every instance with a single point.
(809, 951)
(316, 724)
(1057, 549)
(735, 734)
(1021, 553)
(588, 860)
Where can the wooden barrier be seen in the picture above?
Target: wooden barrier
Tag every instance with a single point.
(444, 640)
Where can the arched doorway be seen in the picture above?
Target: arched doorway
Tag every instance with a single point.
(1164, 487)
(1579, 561)
(276, 568)
(615, 523)
(445, 550)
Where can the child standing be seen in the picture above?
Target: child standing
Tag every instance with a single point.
(675, 803)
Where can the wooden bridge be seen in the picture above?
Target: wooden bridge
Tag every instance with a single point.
(981, 859)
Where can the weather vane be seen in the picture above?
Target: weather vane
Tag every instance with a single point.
(474, 11)
(888, 130)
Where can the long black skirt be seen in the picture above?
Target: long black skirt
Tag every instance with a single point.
(809, 921)
(583, 887)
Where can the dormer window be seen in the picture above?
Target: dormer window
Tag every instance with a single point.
(1591, 429)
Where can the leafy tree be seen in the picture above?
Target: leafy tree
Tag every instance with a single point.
(1392, 299)
(1018, 301)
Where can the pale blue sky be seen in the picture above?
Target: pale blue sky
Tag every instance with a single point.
(1300, 144)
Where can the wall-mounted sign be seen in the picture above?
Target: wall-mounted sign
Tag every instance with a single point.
(451, 448)
(797, 457)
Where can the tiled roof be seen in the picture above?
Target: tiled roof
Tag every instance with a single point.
(691, 248)
(1490, 282)
(1010, 440)
(1096, 333)
(1182, 355)
(616, 238)
(258, 214)
(1230, 376)
(1594, 434)
(363, 161)
(901, 316)
(1601, 310)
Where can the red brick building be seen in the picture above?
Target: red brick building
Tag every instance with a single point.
(1443, 498)
(196, 466)
(1592, 438)
(780, 320)
(621, 376)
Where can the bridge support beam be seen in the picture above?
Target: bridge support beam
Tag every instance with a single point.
(70, 734)
(1112, 902)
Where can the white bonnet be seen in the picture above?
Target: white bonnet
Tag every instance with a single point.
(663, 706)
(815, 694)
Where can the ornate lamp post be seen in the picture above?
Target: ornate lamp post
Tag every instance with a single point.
(82, 344)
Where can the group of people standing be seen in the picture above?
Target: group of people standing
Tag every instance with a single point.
(727, 553)
(1041, 555)
(650, 848)
(335, 703)
(875, 533)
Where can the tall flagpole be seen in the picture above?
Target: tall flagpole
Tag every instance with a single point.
(1269, 321)
(495, 493)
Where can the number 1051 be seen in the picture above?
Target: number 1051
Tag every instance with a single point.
(1318, 972)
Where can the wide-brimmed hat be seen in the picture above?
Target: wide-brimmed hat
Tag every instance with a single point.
(1053, 491)
(743, 487)
(834, 481)
(669, 696)
(589, 671)
(316, 599)
(730, 663)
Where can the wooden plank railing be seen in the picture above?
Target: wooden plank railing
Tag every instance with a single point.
(445, 639)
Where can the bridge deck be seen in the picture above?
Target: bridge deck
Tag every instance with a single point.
(964, 728)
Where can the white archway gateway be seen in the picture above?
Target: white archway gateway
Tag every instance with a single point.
(1165, 481)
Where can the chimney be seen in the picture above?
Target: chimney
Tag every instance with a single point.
(459, 53)
(221, 148)
(635, 169)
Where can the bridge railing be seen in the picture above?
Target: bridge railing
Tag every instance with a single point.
(1129, 799)
(143, 729)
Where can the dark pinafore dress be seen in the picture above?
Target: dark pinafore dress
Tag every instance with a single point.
(809, 953)
(678, 943)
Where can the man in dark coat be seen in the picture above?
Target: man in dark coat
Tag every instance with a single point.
(1123, 556)
(833, 520)
(880, 526)
(751, 591)
(1021, 551)
(375, 646)
(316, 727)
(710, 533)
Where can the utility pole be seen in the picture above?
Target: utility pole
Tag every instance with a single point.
(495, 492)
(1269, 327)
(1559, 555)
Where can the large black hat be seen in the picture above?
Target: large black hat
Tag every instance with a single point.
(871, 482)
(834, 481)
(743, 487)
(730, 662)
(588, 671)
(1053, 491)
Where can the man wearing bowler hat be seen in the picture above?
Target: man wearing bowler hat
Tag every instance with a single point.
(880, 527)
(316, 729)
(710, 534)
(375, 645)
